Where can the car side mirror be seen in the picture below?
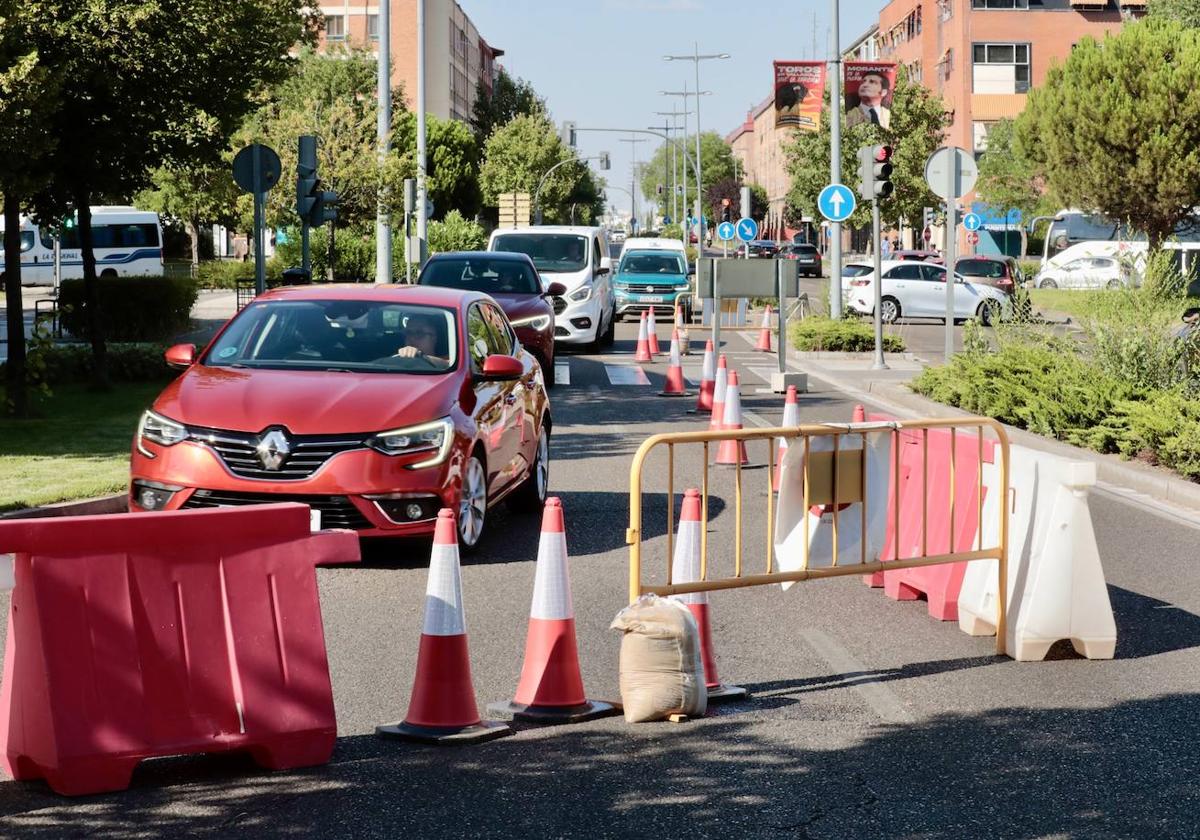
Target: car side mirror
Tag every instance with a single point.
(691, 271)
(602, 270)
(180, 356)
(555, 289)
(499, 367)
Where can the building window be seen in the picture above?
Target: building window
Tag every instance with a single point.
(999, 4)
(335, 28)
(373, 27)
(1000, 68)
(979, 133)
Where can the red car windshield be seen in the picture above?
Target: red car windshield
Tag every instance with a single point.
(360, 336)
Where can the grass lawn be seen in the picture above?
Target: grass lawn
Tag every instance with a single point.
(1074, 303)
(78, 446)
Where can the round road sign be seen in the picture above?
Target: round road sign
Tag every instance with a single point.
(256, 178)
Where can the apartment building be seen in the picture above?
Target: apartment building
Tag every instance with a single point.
(758, 146)
(456, 56)
(983, 56)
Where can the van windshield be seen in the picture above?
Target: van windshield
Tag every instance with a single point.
(553, 252)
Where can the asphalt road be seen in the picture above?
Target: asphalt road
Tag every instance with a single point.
(867, 718)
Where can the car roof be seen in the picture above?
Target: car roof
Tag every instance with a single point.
(582, 230)
(511, 256)
(661, 243)
(390, 293)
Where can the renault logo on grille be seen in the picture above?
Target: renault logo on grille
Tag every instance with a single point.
(273, 449)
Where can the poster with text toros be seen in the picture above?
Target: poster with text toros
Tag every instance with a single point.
(799, 91)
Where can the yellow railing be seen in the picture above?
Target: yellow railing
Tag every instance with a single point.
(820, 484)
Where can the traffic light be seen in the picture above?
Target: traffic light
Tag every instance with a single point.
(875, 172)
(605, 161)
(568, 133)
(307, 182)
(324, 208)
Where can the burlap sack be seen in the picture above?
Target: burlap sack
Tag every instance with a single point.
(661, 671)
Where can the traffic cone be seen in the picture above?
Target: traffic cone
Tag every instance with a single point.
(732, 452)
(550, 689)
(652, 330)
(859, 415)
(643, 345)
(685, 343)
(685, 568)
(764, 334)
(704, 402)
(442, 709)
(720, 386)
(674, 372)
(791, 419)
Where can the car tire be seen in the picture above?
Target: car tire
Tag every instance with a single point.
(1047, 284)
(1114, 284)
(108, 272)
(889, 310)
(530, 497)
(473, 504)
(610, 334)
(989, 313)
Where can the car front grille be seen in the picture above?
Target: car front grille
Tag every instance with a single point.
(652, 288)
(239, 452)
(560, 305)
(336, 511)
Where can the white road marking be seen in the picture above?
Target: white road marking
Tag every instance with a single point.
(562, 373)
(626, 375)
(882, 700)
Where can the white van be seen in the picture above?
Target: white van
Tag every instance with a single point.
(126, 241)
(577, 257)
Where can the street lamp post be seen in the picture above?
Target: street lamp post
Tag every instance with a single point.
(696, 58)
(633, 141)
(685, 93)
(666, 167)
(674, 115)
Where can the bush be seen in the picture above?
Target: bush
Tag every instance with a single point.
(821, 333)
(455, 233)
(226, 274)
(132, 308)
(354, 257)
(66, 363)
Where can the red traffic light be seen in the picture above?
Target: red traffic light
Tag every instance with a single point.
(724, 202)
(883, 154)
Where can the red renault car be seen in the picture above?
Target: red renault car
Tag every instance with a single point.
(375, 405)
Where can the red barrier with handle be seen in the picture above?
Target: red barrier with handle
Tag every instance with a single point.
(151, 634)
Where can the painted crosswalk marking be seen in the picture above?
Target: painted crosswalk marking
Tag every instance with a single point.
(626, 375)
(562, 373)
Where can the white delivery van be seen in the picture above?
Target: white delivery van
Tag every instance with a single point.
(126, 241)
(577, 257)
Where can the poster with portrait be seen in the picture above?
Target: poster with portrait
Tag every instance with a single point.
(799, 92)
(869, 86)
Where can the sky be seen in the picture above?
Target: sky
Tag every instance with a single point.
(599, 62)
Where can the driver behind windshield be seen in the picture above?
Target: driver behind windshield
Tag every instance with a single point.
(421, 335)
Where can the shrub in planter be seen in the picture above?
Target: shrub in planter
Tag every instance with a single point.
(65, 363)
(820, 333)
(226, 274)
(132, 308)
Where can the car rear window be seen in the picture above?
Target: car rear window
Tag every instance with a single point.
(482, 274)
(982, 268)
(856, 270)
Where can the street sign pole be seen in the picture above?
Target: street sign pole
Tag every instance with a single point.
(260, 264)
(877, 235)
(835, 159)
(951, 231)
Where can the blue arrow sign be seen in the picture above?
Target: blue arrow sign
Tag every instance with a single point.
(726, 231)
(972, 221)
(747, 230)
(836, 202)
(666, 220)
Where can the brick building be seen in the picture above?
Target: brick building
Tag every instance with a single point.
(456, 55)
(758, 147)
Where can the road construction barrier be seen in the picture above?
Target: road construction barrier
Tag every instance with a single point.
(836, 504)
(1056, 587)
(152, 634)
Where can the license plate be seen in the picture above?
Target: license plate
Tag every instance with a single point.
(652, 298)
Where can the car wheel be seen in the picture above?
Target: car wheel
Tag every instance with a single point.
(989, 313)
(108, 272)
(473, 504)
(1047, 284)
(610, 334)
(889, 310)
(531, 495)
(1114, 284)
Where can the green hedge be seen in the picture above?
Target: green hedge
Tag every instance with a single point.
(1048, 389)
(133, 308)
(225, 274)
(65, 363)
(820, 333)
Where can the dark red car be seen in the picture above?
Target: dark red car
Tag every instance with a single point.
(375, 405)
(1002, 273)
(511, 279)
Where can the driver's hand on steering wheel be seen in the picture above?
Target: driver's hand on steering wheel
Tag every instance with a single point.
(409, 352)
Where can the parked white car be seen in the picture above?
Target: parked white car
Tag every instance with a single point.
(918, 290)
(1093, 272)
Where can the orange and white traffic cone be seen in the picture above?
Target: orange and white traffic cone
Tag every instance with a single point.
(643, 345)
(442, 708)
(720, 386)
(708, 372)
(550, 689)
(859, 415)
(684, 339)
(674, 372)
(732, 452)
(791, 419)
(764, 334)
(652, 329)
(685, 568)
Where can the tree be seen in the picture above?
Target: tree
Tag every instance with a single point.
(197, 194)
(729, 188)
(451, 165)
(29, 91)
(146, 84)
(1186, 12)
(519, 154)
(1116, 128)
(1008, 179)
(716, 165)
(508, 98)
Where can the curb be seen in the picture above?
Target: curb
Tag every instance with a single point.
(117, 503)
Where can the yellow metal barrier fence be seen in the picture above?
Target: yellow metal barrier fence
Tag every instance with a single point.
(822, 471)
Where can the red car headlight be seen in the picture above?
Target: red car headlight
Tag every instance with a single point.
(433, 438)
(158, 429)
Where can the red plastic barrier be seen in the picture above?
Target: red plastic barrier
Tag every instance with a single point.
(939, 584)
(151, 634)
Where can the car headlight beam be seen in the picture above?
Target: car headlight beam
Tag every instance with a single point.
(434, 438)
(581, 294)
(158, 429)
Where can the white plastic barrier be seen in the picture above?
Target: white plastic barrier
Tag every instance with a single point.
(1056, 587)
(7, 578)
(790, 511)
